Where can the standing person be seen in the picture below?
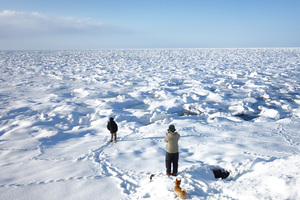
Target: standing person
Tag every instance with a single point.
(113, 128)
(172, 154)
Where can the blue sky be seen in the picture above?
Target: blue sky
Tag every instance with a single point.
(122, 24)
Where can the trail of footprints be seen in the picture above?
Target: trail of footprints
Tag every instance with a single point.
(50, 181)
(284, 134)
(106, 169)
(127, 181)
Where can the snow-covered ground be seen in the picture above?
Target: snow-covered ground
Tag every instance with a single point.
(236, 109)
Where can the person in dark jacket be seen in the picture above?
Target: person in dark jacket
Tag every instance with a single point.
(113, 128)
(172, 154)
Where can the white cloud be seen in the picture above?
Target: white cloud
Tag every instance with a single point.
(14, 24)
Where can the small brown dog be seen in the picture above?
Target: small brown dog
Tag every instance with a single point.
(178, 190)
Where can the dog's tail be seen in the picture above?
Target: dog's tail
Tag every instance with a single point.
(183, 194)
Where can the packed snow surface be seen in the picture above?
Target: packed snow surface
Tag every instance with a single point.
(235, 109)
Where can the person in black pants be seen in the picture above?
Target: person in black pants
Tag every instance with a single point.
(172, 154)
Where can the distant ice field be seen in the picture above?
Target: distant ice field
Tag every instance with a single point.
(246, 83)
(237, 109)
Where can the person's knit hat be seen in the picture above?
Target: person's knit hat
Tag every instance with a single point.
(172, 128)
